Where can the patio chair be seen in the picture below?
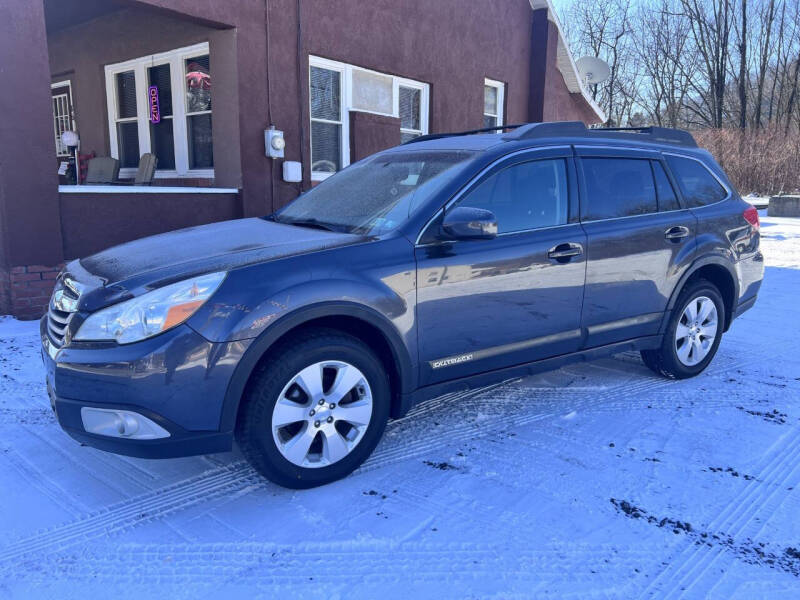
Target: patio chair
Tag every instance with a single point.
(145, 172)
(102, 169)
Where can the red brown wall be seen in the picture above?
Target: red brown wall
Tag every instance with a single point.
(99, 221)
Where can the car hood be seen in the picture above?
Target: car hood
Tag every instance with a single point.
(161, 259)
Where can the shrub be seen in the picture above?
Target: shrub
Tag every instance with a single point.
(764, 161)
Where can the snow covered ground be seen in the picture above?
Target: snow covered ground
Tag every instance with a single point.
(600, 480)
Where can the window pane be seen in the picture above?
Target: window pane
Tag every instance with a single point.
(410, 108)
(159, 77)
(325, 94)
(372, 92)
(325, 147)
(490, 99)
(198, 84)
(126, 95)
(699, 187)
(618, 187)
(406, 136)
(163, 143)
(667, 200)
(524, 196)
(128, 140)
(201, 155)
(489, 121)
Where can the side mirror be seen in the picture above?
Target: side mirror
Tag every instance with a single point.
(465, 223)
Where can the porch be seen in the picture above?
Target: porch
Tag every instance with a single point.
(130, 78)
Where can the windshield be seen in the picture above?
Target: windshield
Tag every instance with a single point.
(375, 195)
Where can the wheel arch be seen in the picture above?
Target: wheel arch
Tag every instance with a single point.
(718, 272)
(353, 319)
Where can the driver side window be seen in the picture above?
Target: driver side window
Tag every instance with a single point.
(524, 196)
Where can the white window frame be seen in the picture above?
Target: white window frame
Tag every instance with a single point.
(346, 102)
(501, 98)
(176, 60)
(60, 84)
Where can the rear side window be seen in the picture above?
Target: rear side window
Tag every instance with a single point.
(698, 186)
(667, 200)
(618, 187)
(524, 196)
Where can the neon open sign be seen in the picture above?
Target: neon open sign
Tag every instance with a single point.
(155, 109)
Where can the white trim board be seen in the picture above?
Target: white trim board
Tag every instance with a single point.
(141, 189)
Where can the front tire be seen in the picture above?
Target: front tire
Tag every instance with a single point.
(315, 409)
(693, 333)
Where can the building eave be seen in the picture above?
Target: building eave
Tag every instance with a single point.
(566, 63)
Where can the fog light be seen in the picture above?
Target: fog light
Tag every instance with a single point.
(121, 424)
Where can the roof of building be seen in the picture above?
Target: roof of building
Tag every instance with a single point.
(564, 61)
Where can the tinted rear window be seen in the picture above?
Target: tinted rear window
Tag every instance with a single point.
(667, 200)
(618, 187)
(698, 186)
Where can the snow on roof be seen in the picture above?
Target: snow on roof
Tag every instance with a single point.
(564, 61)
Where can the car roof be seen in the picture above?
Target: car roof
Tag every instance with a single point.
(534, 135)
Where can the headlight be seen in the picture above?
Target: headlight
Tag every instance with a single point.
(150, 313)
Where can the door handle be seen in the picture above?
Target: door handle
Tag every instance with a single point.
(565, 252)
(676, 233)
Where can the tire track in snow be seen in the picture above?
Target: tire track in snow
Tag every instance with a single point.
(237, 476)
(133, 511)
(771, 479)
(373, 561)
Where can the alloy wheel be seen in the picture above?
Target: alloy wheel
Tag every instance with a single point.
(696, 330)
(322, 414)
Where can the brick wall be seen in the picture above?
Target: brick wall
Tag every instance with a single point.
(25, 291)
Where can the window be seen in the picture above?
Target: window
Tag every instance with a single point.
(337, 88)
(326, 120)
(493, 98)
(410, 113)
(698, 186)
(667, 200)
(618, 187)
(162, 142)
(524, 196)
(179, 133)
(62, 115)
(127, 126)
(198, 111)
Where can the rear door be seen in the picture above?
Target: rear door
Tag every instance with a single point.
(640, 240)
(488, 304)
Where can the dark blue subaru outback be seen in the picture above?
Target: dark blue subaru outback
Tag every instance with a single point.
(449, 262)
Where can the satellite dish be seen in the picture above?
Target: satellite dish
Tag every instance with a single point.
(593, 70)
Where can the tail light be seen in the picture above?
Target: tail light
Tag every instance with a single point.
(751, 216)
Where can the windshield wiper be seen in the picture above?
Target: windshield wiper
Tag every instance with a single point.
(311, 223)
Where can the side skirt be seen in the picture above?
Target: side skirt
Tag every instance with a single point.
(548, 364)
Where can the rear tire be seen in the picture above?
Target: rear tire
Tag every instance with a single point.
(687, 347)
(334, 398)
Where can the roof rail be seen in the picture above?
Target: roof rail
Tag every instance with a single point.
(436, 136)
(666, 135)
(542, 130)
(528, 131)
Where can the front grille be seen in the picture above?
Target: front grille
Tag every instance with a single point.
(57, 322)
(63, 305)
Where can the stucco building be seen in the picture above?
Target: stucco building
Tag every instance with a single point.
(198, 82)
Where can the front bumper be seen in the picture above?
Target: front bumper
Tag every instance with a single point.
(177, 380)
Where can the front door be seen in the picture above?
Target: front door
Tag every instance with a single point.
(488, 304)
(640, 242)
(63, 116)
